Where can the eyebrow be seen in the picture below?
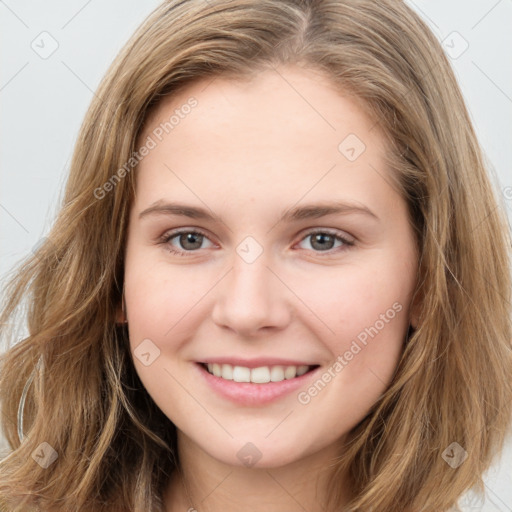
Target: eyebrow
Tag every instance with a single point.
(310, 211)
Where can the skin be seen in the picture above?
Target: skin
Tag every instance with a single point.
(247, 152)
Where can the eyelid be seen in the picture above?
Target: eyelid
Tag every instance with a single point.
(348, 240)
(179, 231)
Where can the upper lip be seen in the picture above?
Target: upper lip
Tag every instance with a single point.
(255, 363)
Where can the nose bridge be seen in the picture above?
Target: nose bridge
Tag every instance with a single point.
(251, 279)
(251, 296)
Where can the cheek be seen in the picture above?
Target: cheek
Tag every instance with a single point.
(370, 324)
(347, 298)
(351, 303)
(363, 303)
(372, 327)
(160, 306)
(160, 300)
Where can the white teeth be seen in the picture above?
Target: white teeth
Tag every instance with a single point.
(301, 370)
(260, 375)
(290, 372)
(217, 370)
(227, 372)
(241, 374)
(277, 373)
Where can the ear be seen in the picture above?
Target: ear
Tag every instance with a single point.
(121, 311)
(120, 318)
(415, 310)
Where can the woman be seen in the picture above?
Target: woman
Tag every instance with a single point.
(252, 371)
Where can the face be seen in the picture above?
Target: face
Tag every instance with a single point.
(301, 255)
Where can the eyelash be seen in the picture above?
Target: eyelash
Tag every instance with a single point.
(167, 237)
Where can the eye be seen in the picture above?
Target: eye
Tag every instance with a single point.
(190, 240)
(323, 240)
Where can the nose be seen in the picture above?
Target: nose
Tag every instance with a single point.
(251, 299)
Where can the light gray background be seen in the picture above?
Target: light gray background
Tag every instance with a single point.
(43, 101)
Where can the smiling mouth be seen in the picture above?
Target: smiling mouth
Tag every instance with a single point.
(260, 375)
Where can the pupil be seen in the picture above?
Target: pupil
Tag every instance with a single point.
(189, 238)
(321, 237)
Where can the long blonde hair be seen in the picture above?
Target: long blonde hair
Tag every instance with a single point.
(116, 450)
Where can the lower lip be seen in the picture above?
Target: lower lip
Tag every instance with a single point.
(251, 394)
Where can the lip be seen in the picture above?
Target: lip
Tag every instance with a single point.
(249, 393)
(257, 362)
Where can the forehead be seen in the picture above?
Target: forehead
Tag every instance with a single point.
(292, 96)
(279, 134)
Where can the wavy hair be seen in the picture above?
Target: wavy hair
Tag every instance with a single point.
(116, 449)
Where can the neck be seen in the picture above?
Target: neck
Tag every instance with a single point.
(204, 484)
